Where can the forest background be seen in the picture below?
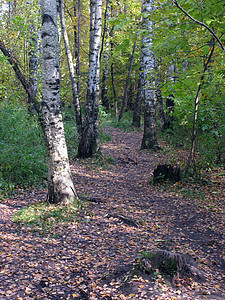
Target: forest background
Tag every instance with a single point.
(185, 61)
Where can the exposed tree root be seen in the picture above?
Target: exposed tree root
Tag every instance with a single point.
(124, 219)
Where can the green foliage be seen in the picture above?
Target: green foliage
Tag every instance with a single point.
(23, 155)
(71, 133)
(185, 44)
(104, 117)
(43, 216)
(125, 123)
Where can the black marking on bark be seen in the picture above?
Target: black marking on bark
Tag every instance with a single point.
(44, 34)
(47, 19)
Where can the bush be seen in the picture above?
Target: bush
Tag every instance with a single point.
(22, 146)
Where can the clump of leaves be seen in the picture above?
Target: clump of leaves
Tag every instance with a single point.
(45, 216)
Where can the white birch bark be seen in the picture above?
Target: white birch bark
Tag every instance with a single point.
(60, 184)
(148, 63)
(76, 102)
(89, 143)
(105, 49)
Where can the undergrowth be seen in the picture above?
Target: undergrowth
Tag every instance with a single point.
(44, 217)
(125, 123)
(23, 154)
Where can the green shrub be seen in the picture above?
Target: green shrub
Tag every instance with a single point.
(23, 154)
(125, 123)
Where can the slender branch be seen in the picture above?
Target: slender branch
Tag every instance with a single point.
(197, 100)
(104, 28)
(200, 23)
(21, 77)
(15, 66)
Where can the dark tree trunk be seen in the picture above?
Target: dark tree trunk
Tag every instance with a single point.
(77, 44)
(124, 102)
(170, 105)
(33, 64)
(105, 50)
(138, 103)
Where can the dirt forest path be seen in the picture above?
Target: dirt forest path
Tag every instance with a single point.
(124, 215)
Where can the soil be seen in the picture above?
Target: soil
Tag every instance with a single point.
(124, 215)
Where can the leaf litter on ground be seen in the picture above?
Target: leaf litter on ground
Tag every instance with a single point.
(90, 253)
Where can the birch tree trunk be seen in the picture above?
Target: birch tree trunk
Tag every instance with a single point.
(105, 50)
(89, 142)
(161, 113)
(76, 102)
(149, 138)
(60, 184)
(77, 43)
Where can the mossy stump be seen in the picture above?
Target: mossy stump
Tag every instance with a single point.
(170, 264)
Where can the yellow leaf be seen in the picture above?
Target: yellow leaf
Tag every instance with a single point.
(122, 296)
(74, 295)
(28, 290)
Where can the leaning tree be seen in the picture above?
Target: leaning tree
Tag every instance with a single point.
(60, 184)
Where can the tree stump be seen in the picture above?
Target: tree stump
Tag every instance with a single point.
(166, 172)
(170, 264)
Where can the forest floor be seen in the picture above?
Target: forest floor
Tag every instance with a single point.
(92, 257)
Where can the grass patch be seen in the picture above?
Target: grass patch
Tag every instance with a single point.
(99, 161)
(44, 217)
(125, 123)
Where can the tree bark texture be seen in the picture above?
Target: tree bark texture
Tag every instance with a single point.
(124, 102)
(76, 102)
(115, 103)
(148, 64)
(77, 42)
(159, 97)
(160, 108)
(105, 50)
(89, 142)
(60, 184)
